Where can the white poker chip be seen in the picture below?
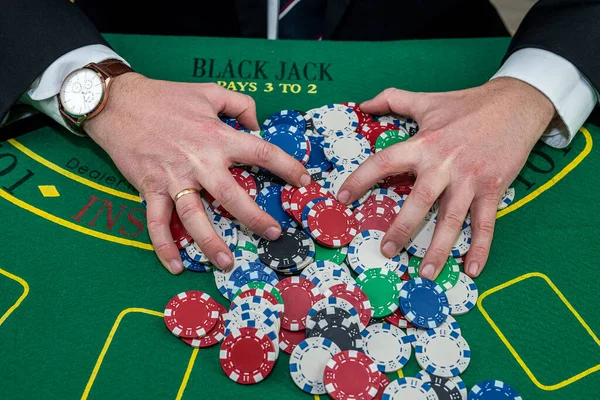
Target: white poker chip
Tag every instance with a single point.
(323, 283)
(336, 179)
(389, 193)
(450, 323)
(409, 389)
(387, 346)
(342, 148)
(420, 240)
(364, 252)
(403, 260)
(443, 352)
(463, 243)
(335, 118)
(320, 269)
(463, 296)
(308, 361)
(507, 198)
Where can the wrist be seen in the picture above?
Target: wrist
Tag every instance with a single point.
(120, 88)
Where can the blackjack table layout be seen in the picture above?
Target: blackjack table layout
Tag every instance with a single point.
(83, 294)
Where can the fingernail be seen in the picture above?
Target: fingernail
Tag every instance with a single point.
(344, 196)
(390, 249)
(473, 268)
(223, 260)
(175, 266)
(272, 233)
(305, 180)
(428, 271)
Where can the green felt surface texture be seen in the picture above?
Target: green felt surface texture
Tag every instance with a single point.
(81, 290)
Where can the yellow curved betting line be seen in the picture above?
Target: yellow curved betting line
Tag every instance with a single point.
(512, 350)
(23, 283)
(70, 225)
(188, 372)
(109, 339)
(568, 168)
(70, 175)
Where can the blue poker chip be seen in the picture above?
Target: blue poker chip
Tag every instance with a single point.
(286, 117)
(232, 122)
(424, 303)
(317, 157)
(192, 265)
(493, 390)
(289, 139)
(251, 272)
(269, 200)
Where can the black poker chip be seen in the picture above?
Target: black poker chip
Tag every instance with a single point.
(443, 387)
(291, 251)
(338, 329)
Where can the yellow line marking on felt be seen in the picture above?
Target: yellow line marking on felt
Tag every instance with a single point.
(512, 349)
(49, 191)
(70, 175)
(25, 285)
(71, 225)
(108, 342)
(568, 168)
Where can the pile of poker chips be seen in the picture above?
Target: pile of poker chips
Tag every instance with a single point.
(323, 292)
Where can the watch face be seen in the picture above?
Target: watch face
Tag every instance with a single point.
(82, 92)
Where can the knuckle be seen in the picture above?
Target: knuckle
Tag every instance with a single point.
(209, 243)
(212, 126)
(157, 223)
(389, 92)
(255, 222)
(424, 195)
(263, 151)
(163, 249)
(382, 160)
(401, 230)
(188, 210)
(452, 219)
(226, 194)
(485, 226)
(478, 250)
(439, 254)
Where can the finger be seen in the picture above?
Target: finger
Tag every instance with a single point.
(428, 187)
(401, 157)
(193, 216)
(397, 101)
(158, 215)
(454, 207)
(221, 185)
(236, 105)
(251, 150)
(483, 220)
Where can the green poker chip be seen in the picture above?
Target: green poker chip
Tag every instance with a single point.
(391, 137)
(336, 256)
(246, 245)
(382, 287)
(448, 276)
(261, 285)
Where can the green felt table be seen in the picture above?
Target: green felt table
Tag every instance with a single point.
(82, 293)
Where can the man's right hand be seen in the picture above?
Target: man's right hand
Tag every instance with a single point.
(166, 137)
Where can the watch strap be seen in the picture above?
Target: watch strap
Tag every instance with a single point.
(112, 67)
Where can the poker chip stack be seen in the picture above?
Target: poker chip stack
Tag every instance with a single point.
(323, 292)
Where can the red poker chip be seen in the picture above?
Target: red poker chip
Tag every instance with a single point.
(247, 355)
(301, 197)
(402, 179)
(384, 381)
(288, 340)
(181, 237)
(401, 189)
(245, 180)
(299, 295)
(191, 314)
(286, 195)
(332, 224)
(397, 319)
(406, 276)
(363, 117)
(355, 296)
(380, 203)
(380, 222)
(216, 334)
(307, 155)
(351, 374)
(372, 130)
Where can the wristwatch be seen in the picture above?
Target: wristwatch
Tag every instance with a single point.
(84, 92)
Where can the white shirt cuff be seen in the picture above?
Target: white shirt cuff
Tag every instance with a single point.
(573, 97)
(42, 94)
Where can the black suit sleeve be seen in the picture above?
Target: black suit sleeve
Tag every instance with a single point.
(33, 34)
(568, 28)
